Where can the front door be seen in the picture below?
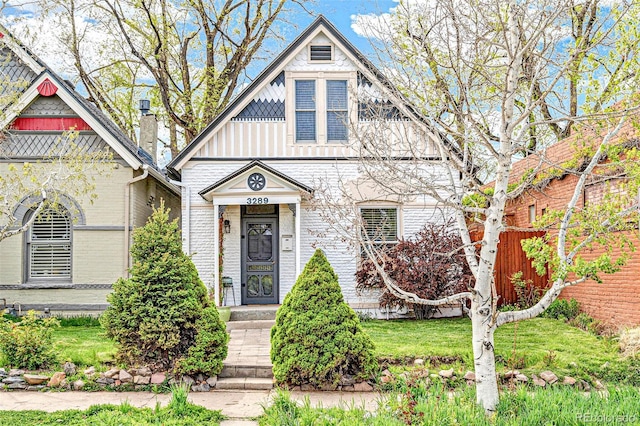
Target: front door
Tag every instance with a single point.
(259, 261)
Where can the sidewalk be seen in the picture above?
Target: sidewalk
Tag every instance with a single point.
(238, 406)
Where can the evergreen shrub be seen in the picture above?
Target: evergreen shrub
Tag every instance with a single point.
(317, 338)
(160, 313)
(28, 343)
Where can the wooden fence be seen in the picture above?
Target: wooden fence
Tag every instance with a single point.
(511, 259)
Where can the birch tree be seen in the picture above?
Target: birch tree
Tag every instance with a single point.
(497, 81)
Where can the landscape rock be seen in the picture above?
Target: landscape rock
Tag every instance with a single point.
(141, 380)
(348, 388)
(125, 377)
(386, 372)
(386, 379)
(117, 382)
(510, 374)
(13, 379)
(188, 380)
(363, 387)
(570, 381)
(69, 368)
(89, 372)
(144, 371)
(598, 385)
(78, 385)
(17, 385)
(56, 379)
(3, 372)
(549, 377)
(470, 376)
(328, 387)
(538, 381)
(105, 381)
(419, 362)
(583, 386)
(36, 388)
(212, 381)
(16, 372)
(65, 384)
(446, 374)
(200, 378)
(306, 387)
(204, 387)
(35, 379)
(158, 378)
(521, 378)
(111, 373)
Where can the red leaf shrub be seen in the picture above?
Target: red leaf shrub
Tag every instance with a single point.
(430, 264)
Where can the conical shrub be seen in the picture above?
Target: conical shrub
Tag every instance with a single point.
(156, 315)
(317, 338)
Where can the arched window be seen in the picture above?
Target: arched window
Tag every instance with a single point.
(49, 245)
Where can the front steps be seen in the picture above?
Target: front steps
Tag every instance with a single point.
(248, 364)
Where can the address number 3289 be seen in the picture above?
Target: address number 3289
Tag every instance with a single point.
(257, 200)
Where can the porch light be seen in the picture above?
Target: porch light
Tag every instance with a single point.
(227, 226)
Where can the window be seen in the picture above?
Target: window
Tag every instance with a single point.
(532, 213)
(380, 226)
(336, 110)
(49, 245)
(321, 53)
(305, 111)
(321, 111)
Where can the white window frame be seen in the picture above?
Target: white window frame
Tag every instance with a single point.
(398, 210)
(321, 104)
(65, 255)
(321, 61)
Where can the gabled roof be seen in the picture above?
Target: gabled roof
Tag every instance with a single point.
(256, 164)
(97, 120)
(273, 69)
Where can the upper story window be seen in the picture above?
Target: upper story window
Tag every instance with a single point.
(321, 111)
(337, 110)
(321, 53)
(305, 111)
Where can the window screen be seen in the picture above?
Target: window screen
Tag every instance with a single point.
(50, 245)
(305, 110)
(336, 110)
(380, 224)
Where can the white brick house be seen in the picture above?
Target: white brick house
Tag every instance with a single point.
(249, 178)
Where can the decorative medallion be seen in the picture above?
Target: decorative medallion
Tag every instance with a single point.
(256, 181)
(47, 88)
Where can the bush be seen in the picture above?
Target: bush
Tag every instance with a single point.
(527, 294)
(28, 343)
(430, 265)
(317, 338)
(562, 309)
(155, 316)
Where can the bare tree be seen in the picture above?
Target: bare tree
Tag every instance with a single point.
(188, 56)
(491, 77)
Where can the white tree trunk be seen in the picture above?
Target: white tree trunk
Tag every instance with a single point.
(484, 359)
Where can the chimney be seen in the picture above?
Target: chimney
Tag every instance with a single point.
(148, 139)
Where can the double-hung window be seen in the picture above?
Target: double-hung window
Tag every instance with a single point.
(321, 111)
(49, 245)
(337, 110)
(380, 227)
(305, 111)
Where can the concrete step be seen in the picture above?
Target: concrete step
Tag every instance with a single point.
(253, 313)
(247, 383)
(246, 371)
(250, 324)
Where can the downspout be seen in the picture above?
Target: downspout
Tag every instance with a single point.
(127, 219)
(186, 222)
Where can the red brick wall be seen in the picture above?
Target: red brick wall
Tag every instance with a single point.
(617, 300)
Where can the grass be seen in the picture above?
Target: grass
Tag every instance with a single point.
(541, 343)
(178, 412)
(436, 406)
(84, 346)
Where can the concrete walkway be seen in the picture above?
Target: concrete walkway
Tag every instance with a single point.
(238, 406)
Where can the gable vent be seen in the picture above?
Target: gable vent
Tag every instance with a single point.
(321, 53)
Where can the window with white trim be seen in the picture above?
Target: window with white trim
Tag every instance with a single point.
(49, 245)
(380, 226)
(321, 106)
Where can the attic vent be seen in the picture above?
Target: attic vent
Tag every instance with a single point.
(321, 53)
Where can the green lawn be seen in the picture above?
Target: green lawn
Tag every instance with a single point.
(84, 346)
(543, 343)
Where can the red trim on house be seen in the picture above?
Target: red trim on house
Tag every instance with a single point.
(47, 88)
(50, 123)
(1, 35)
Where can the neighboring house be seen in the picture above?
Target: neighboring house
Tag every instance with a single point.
(70, 258)
(250, 178)
(617, 300)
